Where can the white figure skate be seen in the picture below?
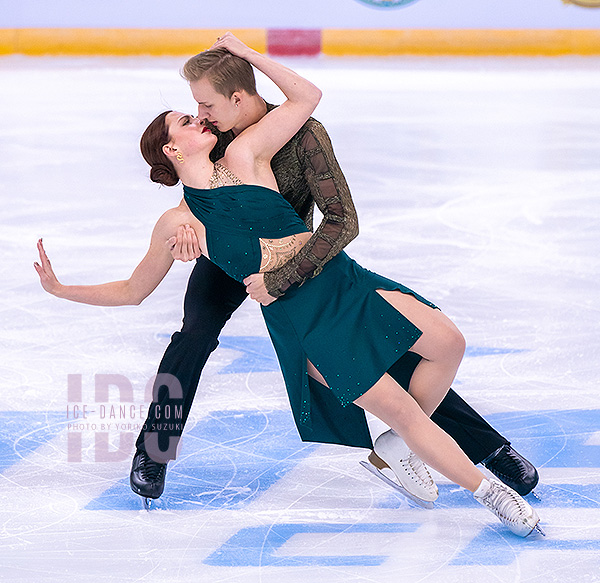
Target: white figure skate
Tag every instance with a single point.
(509, 507)
(393, 462)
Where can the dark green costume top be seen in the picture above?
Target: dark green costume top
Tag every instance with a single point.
(336, 320)
(308, 174)
(236, 217)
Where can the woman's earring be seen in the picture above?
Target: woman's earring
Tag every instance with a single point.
(179, 157)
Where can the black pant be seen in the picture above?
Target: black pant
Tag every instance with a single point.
(210, 300)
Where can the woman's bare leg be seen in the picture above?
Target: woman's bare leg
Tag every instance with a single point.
(441, 347)
(388, 401)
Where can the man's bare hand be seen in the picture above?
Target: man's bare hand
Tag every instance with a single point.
(233, 44)
(185, 245)
(255, 286)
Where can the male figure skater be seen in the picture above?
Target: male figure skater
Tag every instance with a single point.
(307, 173)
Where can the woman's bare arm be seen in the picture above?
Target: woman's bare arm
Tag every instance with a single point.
(143, 281)
(265, 138)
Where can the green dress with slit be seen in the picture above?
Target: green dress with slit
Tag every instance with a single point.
(336, 320)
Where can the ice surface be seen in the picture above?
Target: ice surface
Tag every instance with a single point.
(476, 183)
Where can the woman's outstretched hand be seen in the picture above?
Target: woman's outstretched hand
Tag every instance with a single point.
(47, 278)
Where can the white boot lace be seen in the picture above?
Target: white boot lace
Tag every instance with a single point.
(420, 469)
(510, 508)
(505, 504)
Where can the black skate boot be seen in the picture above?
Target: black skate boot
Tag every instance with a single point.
(513, 469)
(147, 477)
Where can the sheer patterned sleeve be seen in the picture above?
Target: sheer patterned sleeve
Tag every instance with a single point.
(331, 194)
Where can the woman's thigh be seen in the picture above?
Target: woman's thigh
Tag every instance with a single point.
(440, 334)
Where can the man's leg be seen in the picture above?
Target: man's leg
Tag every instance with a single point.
(475, 436)
(210, 299)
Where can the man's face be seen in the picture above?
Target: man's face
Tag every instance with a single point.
(217, 109)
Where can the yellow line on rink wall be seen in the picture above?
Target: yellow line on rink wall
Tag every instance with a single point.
(334, 42)
(361, 42)
(119, 41)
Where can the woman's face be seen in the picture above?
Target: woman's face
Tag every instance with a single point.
(188, 133)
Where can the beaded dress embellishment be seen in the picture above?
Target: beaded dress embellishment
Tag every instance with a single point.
(222, 176)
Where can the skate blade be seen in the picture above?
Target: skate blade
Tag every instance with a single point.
(151, 504)
(410, 497)
(535, 495)
(537, 528)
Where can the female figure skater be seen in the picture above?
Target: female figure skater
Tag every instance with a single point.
(346, 315)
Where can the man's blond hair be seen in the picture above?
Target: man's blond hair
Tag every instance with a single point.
(226, 72)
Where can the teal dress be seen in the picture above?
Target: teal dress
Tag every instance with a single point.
(337, 320)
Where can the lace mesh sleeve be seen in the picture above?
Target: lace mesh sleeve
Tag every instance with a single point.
(332, 196)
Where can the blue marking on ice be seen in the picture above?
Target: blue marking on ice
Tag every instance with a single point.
(227, 460)
(555, 439)
(494, 546)
(475, 351)
(22, 432)
(258, 355)
(258, 546)
(550, 496)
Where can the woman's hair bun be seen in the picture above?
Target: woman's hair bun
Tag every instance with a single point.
(163, 174)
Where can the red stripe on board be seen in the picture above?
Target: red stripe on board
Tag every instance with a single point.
(293, 42)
